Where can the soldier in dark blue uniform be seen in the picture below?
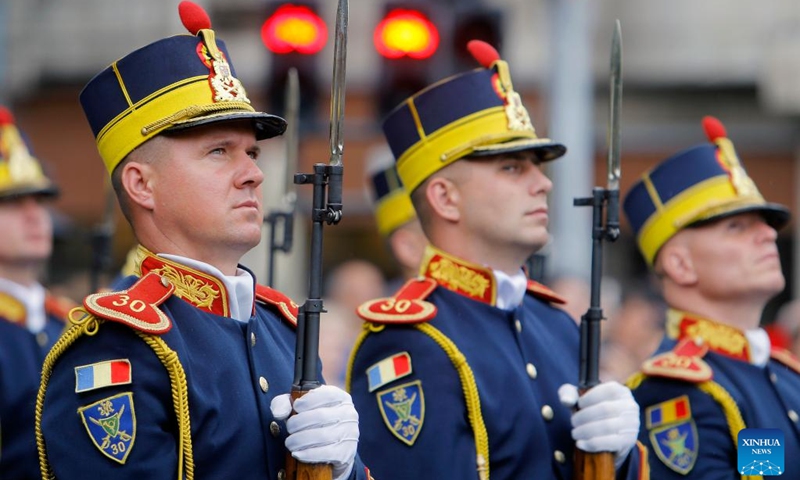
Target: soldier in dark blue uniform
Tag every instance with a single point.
(462, 373)
(31, 319)
(709, 235)
(182, 370)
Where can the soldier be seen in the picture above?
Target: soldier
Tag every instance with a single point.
(181, 370)
(458, 374)
(709, 236)
(30, 318)
(395, 216)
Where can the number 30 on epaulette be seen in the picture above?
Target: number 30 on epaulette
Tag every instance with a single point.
(397, 310)
(137, 306)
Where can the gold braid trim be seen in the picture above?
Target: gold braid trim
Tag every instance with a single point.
(84, 323)
(180, 400)
(471, 397)
(714, 390)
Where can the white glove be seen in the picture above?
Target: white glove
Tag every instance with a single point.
(607, 419)
(324, 428)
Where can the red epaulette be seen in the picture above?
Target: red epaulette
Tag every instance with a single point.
(283, 303)
(540, 291)
(786, 357)
(137, 306)
(58, 307)
(683, 362)
(408, 305)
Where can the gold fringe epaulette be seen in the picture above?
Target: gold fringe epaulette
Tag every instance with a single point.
(684, 362)
(786, 358)
(543, 293)
(137, 306)
(284, 304)
(407, 306)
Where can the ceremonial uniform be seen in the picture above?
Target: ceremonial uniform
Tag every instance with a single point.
(711, 377)
(149, 396)
(701, 389)
(30, 318)
(179, 370)
(21, 355)
(455, 387)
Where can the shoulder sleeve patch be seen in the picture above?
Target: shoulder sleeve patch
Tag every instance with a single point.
(684, 362)
(284, 304)
(540, 291)
(137, 306)
(786, 357)
(408, 305)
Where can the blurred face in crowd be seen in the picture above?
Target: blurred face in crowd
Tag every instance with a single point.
(504, 202)
(26, 230)
(732, 258)
(203, 188)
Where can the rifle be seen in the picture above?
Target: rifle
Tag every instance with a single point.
(600, 465)
(102, 234)
(325, 175)
(284, 215)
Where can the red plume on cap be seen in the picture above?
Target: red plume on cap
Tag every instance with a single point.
(193, 17)
(484, 53)
(6, 117)
(713, 128)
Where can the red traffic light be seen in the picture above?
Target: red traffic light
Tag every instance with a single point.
(294, 28)
(404, 32)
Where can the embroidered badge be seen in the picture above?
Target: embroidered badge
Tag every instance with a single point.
(388, 370)
(673, 434)
(102, 374)
(111, 424)
(403, 410)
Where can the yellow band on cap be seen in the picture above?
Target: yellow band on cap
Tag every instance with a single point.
(394, 211)
(454, 141)
(693, 204)
(125, 132)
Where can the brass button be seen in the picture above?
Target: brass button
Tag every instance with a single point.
(42, 338)
(773, 378)
(559, 456)
(518, 325)
(264, 384)
(793, 416)
(165, 282)
(274, 429)
(547, 412)
(531, 370)
(252, 339)
(281, 474)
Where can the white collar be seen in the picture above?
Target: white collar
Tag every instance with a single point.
(759, 346)
(510, 289)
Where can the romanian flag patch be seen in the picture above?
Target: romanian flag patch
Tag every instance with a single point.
(388, 370)
(671, 411)
(102, 374)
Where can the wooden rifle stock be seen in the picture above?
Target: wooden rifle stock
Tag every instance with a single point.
(594, 466)
(306, 471)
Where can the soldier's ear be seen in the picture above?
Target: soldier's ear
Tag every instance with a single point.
(444, 198)
(675, 262)
(136, 179)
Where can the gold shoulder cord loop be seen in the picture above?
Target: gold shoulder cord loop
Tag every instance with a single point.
(88, 324)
